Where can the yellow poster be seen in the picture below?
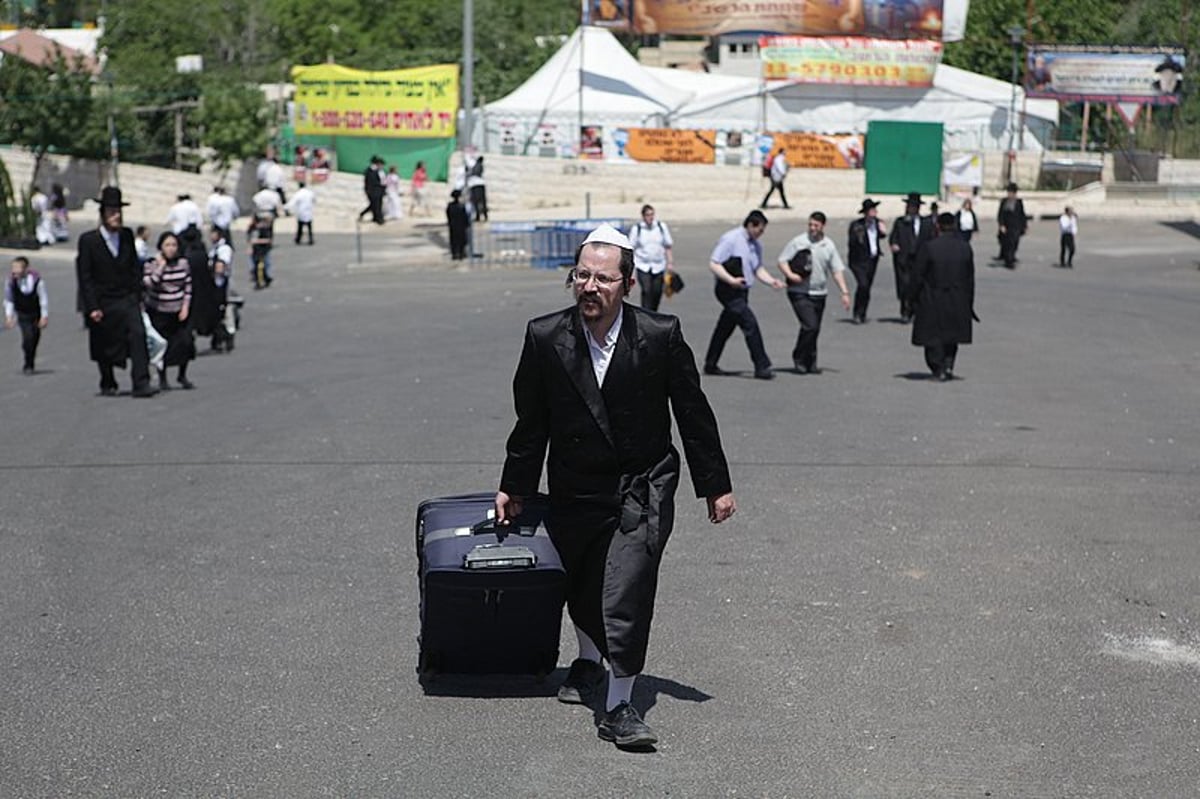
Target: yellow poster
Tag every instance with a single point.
(668, 145)
(850, 60)
(333, 100)
(817, 151)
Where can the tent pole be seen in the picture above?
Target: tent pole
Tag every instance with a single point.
(579, 130)
(468, 73)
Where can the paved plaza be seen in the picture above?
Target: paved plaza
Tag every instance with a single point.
(980, 588)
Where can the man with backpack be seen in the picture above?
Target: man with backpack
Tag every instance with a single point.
(778, 169)
(652, 245)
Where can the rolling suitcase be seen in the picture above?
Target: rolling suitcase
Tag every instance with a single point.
(491, 598)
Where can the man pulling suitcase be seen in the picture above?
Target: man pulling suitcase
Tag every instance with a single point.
(594, 384)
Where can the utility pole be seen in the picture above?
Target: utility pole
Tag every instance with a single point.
(468, 73)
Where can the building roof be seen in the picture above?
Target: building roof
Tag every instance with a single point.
(41, 50)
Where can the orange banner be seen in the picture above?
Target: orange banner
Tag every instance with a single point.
(892, 19)
(668, 145)
(850, 60)
(815, 151)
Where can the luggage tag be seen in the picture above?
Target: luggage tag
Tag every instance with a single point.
(499, 556)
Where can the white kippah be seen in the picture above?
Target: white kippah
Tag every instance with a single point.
(607, 234)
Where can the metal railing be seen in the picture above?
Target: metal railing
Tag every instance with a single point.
(548, 244)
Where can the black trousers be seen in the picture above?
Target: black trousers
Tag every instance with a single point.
(652, 288)
(1066, 249)
(809, 311)
(864, 278)
(902, 264)
(31, 334)
(775, 187)
(1008, 247)
(939, 356)
(374, 207)
(300, 228)
(735, 312)
(479, 202)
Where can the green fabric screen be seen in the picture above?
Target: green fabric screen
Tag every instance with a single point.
(353, 153)
(903, 157)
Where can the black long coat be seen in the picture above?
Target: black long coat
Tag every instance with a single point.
(943, 290)
(112, 285)
(612, 469)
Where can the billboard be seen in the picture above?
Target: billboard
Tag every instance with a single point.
(888, 19)
(332, 100)
(1145, 75)
(667, 145)
(850, 60)
(815, 150)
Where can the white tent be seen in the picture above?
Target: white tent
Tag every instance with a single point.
(543, 114)
(616, 91)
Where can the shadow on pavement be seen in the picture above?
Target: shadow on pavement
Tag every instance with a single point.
(1189, 227)
(493, 686)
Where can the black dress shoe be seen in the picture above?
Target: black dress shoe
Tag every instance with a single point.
(715, 370)
(146, 390)
(185, 383)
(801, 369)
(764, 374)
(623, 726)
(108, 391)
(583, 682)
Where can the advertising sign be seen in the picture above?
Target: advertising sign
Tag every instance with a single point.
(850, 60)
(1145, 75)
(591, 142)
(817, 151)
(891, 19)
(669, 145)
(400, 103)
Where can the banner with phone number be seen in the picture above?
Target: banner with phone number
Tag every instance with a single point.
(401, 103)
(850, 60)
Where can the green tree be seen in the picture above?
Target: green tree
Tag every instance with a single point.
(44, 109)
(234, 122)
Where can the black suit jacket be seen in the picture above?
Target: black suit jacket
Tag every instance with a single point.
(909, 240)
(943, 292)
(372, 182)
(859, 247)
(1015, 220)
(598, 436)
(103, 278)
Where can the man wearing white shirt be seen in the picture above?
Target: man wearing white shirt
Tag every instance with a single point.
(301, 206)
(866, 235)
(1068, 228)
(652, 256)
(222, 210)
(183, 213)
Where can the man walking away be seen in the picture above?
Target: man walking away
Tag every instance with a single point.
(779, 170)
(943, 292)
(301, 206)
(1013, 225)
(1068, 228)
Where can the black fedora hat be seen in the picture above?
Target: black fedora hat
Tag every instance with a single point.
(913, 198)
(867, 205)
(110, 197)
(1011, 186)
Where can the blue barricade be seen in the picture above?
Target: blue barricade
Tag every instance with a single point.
(546, 244)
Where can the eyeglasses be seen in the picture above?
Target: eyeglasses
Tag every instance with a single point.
(582, 276)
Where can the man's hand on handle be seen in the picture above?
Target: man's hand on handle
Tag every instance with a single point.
(721, 508)
(508, 508)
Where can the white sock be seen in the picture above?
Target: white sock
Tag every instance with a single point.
(620, 689)
(587, 647)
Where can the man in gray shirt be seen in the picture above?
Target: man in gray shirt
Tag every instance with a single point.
(808, 262)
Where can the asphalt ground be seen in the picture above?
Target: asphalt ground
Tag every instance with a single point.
(981, 588)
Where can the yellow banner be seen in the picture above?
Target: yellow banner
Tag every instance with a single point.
(850, 60)
(332, 100)
(816, 151)
(668, 145)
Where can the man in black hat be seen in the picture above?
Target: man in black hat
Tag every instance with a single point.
(866, 238)
(110, 288)
(1013, 224)
(909, 233)
(374, 189)
(942, 291)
